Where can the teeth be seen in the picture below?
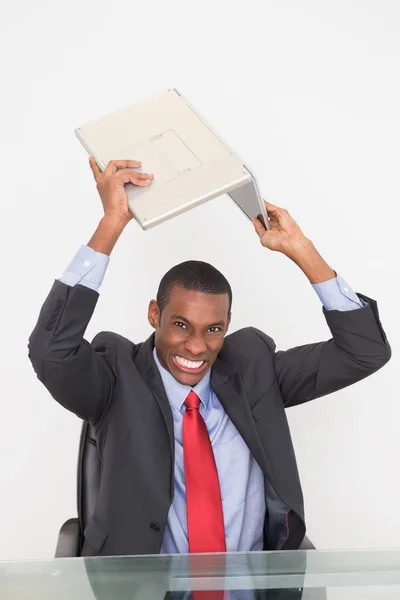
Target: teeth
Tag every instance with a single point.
(189, 364)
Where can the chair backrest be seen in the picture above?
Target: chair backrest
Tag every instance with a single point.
(88, 475)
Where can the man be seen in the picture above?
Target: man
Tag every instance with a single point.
(194, 444)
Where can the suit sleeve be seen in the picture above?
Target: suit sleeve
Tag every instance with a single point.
(358, 348)
(78, 377)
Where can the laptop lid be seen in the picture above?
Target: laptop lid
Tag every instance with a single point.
(190, 162)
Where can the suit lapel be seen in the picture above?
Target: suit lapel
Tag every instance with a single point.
(228, 387)
(148, 369)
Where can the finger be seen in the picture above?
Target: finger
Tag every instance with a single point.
(138, 175)
(132, 177)
(271, 208)
(114, 165)
(259, 227)
(97, 174)
(145, 175)
(278, 215)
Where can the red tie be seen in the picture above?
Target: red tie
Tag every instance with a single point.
(203, 495)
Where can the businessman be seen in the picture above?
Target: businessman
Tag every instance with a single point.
(195, 448)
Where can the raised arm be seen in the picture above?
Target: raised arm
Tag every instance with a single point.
(358, 346)
(78, 377)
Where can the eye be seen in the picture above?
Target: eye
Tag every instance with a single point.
(180, 324)
(214, 329)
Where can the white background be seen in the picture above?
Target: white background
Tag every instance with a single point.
(309, 94)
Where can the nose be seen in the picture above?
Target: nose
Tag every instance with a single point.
(195, 345)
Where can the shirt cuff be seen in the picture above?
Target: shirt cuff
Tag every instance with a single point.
(87, 268)
(336, 294)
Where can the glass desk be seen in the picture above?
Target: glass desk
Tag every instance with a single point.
(294, 575)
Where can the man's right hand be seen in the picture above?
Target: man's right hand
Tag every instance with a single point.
(111, 188)
(111, 185)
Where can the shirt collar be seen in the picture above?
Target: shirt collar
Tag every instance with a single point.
(177, 392)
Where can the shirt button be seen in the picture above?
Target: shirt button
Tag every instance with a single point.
(86, 263)
(346, 289)
(155, 526)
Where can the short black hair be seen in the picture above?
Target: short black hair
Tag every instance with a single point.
(193, 275)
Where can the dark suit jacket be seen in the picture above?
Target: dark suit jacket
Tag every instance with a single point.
(115, 385)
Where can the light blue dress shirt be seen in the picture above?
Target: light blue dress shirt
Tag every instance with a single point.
(241, 481)
(242, 484)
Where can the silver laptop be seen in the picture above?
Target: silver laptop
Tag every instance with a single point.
(190, 162)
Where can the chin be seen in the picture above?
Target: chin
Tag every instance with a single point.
(186, 378)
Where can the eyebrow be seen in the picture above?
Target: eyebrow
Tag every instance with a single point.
(180, 318)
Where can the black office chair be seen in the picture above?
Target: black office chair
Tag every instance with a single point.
(70, 539)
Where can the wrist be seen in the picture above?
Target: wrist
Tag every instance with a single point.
(116, 222)
(305, 255)
(107, 233)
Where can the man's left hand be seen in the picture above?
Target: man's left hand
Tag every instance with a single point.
(284, 236)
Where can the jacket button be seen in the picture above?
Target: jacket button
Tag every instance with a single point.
(155, 526)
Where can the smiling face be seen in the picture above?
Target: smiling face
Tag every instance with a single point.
(190, 332)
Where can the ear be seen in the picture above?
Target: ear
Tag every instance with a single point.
(154, 314)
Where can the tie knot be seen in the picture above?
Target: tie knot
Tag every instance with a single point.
(192, 401)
